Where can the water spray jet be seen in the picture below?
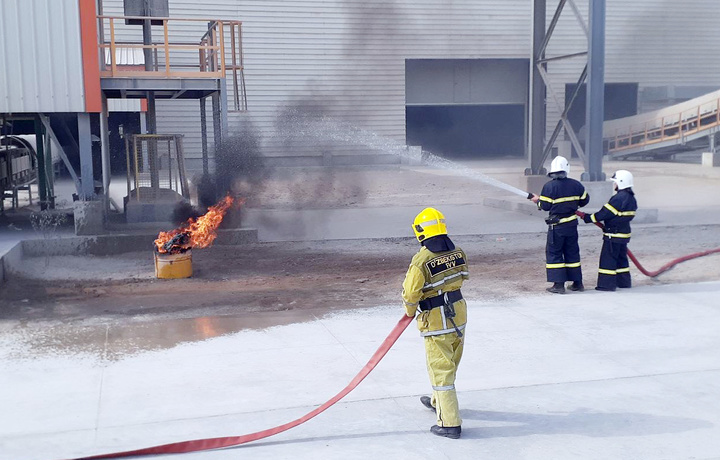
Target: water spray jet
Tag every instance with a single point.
(327, 128)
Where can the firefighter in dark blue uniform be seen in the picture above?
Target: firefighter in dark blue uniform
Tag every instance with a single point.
(562, 196)
(616, 214)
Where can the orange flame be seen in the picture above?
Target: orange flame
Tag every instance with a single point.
(202, 231)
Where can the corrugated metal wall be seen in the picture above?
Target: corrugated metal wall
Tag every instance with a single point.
(656, 43)
(347, 58)
(40, 56)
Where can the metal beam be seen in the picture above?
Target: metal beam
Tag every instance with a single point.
(551, 27)
(49, 172)
(536, 96)
(217, 122)
(563, 115)
(61, 151)
(223, 107)
(579, 17)
(105, 152)
(41, 164)
(86, 163)
(595, 110)
(203, 136)
(564, 56)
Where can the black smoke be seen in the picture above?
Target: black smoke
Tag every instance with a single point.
(239, 171)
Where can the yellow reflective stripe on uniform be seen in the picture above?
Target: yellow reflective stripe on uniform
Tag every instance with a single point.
(623, 270)
(584, 195)
(592, 218)
(617, 235)
(444, 388)
(442, 331)
(611, 208)
(573, 265)
(567, 219)
(607, 272)
(563, 199)
(566, 198)
(555, 265)
(444, 280)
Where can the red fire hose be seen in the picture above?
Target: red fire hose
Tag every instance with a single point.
(665, 267)
(217, 443)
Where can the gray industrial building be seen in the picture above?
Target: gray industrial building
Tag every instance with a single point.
(407, 69)
(455, 77)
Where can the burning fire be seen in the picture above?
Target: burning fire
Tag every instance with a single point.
(196, 233)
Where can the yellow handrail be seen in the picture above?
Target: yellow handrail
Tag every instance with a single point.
(213, 52)
(676, 128)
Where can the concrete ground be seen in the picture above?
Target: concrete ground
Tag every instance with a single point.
(626, 375)
(87, 368)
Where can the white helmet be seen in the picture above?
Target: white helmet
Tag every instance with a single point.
(559, 164)
(623, 179)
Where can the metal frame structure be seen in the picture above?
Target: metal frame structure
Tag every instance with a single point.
(593, 73)
(666, 130)
(168, 74)
(137, 162)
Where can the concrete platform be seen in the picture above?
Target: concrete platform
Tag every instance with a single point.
(627, 375)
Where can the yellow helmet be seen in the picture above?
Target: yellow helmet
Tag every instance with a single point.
(430, 222)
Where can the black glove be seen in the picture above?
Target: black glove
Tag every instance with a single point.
(587, 218)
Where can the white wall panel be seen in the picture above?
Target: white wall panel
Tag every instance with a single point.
(40, 56)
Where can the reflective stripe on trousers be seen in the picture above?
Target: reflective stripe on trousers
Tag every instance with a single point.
(614, 269)
(443, 353)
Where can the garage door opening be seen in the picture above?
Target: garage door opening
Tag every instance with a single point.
(467, 108)
(468, 131)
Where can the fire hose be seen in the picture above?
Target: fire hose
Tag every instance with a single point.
(667, 266)
(230, 441)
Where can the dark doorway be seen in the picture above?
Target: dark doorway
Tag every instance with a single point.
(121, 124)
(621, 100)
(467, 131)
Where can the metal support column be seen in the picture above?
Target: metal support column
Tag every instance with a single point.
(711, 143)
(536, 111)
(223, 108)
(152, 145)
(86, 163)
(203, 136)
(49, 170)
(41, 164)
(217, 121)
(105, 152)
(595, 113)
(147, 40)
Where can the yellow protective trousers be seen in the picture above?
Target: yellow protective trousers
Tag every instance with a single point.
(443, 354)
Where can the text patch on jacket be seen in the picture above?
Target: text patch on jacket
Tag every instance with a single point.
(444, 263)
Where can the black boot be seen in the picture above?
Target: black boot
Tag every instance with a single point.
(427, 402)
(452, 432)
(577, 286)
(557, 288)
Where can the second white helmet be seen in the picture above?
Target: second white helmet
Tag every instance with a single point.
(623, 179)
(559, 164)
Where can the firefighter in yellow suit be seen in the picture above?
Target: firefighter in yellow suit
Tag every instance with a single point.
(432, 290)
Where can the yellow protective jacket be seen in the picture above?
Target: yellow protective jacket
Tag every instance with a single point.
(431, 274)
